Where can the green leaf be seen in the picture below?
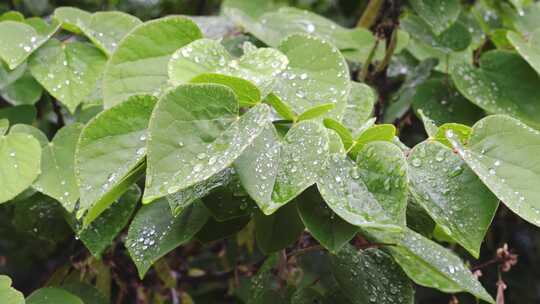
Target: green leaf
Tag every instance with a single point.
(528, 48)
(20, 39)
(180, 200)
(439, 14)
(385, 132)
(429, 125)
(370, 193)
(281, 108)
(86, 292)
(442, 103)
(273, 26)
(429, 264)
(154, 232)
(262, 288)
(402, 99)
(279, 230)
(42, 217)
(359, 106)
(226, 203)
(68, 71)
(7, 76)
(316, 111)
(215, 230)
(252, 8)
(8, 294)
(196, 132)
(462, 132)
(323, 224)
(52, 295)
(341, 130)
(110, 154)
(246, 92)
(454, 38)
(452, 194)
(104, 29)
(57, 178)
(102, 231)
(307, 296)
(490, 88)
(313, 78)
(370, 276)
(12, 15)
(139, 64)
(259, 66)
(20, 156)
(107, 29)
(502, 151)
(72, 18)
(28, 129)
(23, 114)
(216, 27)
(274, 172)
(24, 90)
(525, 20)
(4, 126)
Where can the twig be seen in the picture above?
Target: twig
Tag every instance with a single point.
(365, 67)
(304, 250)
(370, 14)
(389, 52)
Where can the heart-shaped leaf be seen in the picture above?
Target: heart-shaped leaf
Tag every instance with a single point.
(272, 27)
(71, 18)
(52, 295)
(502, 152)
(279, 230)
(21, 39)
(57, 178)
(313, 78)
(529, 49)
(154, 232)
(323, 224)
(450, 192)
(443, 103)
(139, 64)
(359, 107)
(104, 29)
(20, 156)
(490, 88)
(41, 217)
(371, 192)
(24, 90)
(183, 198)
(9, 294)
(441, 268)
(195, 133)
(68, 71)
(454, 38)
(259, 66)
(110, 154)
(102, 231)
(246, 92)
(439, 14)
(371, 276)
(274, 172)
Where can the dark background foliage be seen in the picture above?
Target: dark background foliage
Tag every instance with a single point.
(32, 259)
